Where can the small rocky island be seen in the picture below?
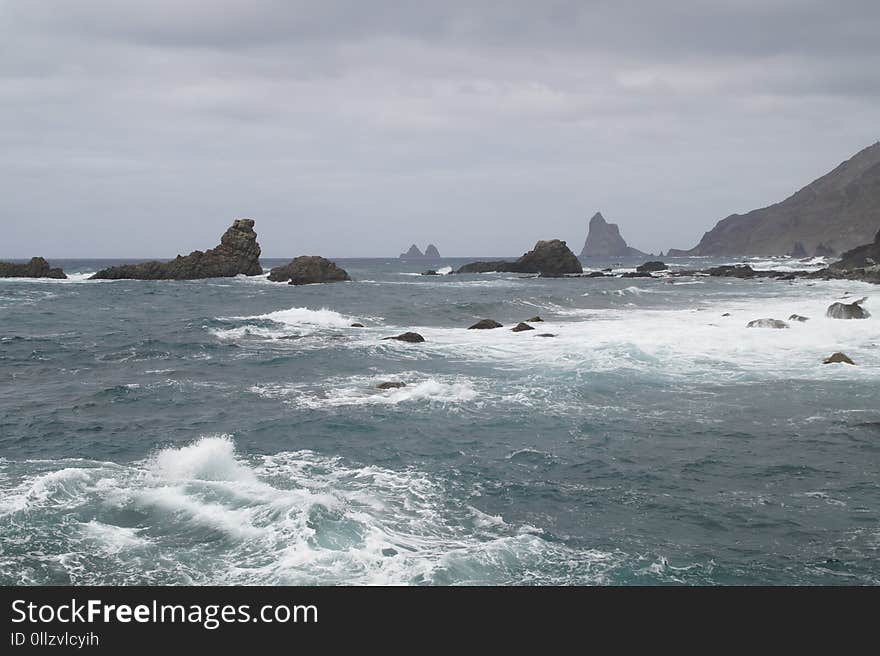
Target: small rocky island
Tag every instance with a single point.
(238, 253)
(309, 270)
(36, 268)
(604, 240)
(550, 259)
(431, 253)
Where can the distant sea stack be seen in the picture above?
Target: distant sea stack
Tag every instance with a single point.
(238, 253)
(550, 258)
(309, 270)
(835, 213)
(604, 240)
(36, 268)
(431, 253)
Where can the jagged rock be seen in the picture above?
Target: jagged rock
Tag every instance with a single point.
(798, 317)
(357, 325)
(798, 250)
(767, 323)
(308, 270)
(604, 240)
(390, 385)
(37, 267)
(535, 319)
(485, 324)
(852, 310)
(860, 257)
(549, 258)
(412, 254)
(238, 253)
(837, 357)
(431, 251)
(411, 337)
(653, 265)
(823, 251)
(521, 326)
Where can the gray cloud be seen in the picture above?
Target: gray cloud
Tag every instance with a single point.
(355, 128)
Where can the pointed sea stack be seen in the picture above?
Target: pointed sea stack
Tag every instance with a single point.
(604, 240)
(412, 254)
(36, 268)
(238, 253)
(431, 251)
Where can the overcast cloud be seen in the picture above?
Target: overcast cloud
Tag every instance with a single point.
(142, 128)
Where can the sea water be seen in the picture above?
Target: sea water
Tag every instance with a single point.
(230, 430)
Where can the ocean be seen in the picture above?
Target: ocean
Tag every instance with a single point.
(229, 431)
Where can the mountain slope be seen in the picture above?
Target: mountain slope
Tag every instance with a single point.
(839, 211)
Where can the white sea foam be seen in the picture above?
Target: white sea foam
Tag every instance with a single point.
(208, 515)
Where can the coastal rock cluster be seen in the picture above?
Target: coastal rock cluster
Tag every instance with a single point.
(37, 267)
(308, 270)
(431, 253)
(549, 258)
(237, 253)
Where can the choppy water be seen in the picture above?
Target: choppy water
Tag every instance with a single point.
(229, 431)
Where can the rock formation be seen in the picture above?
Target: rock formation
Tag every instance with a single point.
(838, 357)
(550, 258)
(860, 257)
(521, 326)
(604, 240)
(653, 265)
(413, 338)
(767, 323)
(308, 270)
(412, 254)
(852, 310)
(238, 253)
(36, 268)
(390, 385)
(485, 324)
(431, 251)
(835, 213)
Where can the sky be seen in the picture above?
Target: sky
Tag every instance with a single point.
(143, 128)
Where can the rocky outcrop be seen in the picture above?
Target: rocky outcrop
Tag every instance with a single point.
(653, 265)
(238, 253)
(521, 327)
(37, 267)
(838, 357)
(309, 270)
(852, 310)
(767, 323)
(549, 258)
(390, 385)
(413, 338)
(860, 257)
(798, 317)
(431, 251)
(798, 250)
(485, 324)
(534, 319)
(835, 213)
(604, 240)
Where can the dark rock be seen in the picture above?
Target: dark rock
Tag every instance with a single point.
(604, 240)
(550, 258)
(789, 276)
(390, 385)
(653, 265)
(852, 310)
(535, 319)
(767, 323)
(431, 251)
(732, 270)
(413, 338)
(520, 327)
(596, 274)
(837, 357)
(546, 335)
(637, 274)
(37, 267)
(412, 254)
(485, 324)
(430, 272)
(798, 317)
(823, 251)
(726, 314)
(357, 325)
(860, 257)
(489, 266)
(238, 253)
(308, 270)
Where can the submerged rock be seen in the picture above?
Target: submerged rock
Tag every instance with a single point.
(430, 272)
(308, 270)
(486, 324)
(852, 310)
(767, 323)
(238, 253)
(411, 337)
(37, 267)
(535, 319)
(838, 357)
(357, 325)
(520, 327)
(545, 335)
(798, 317)
(390, 385)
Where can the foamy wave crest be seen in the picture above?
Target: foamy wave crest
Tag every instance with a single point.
(204, 514)
(283, 324)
